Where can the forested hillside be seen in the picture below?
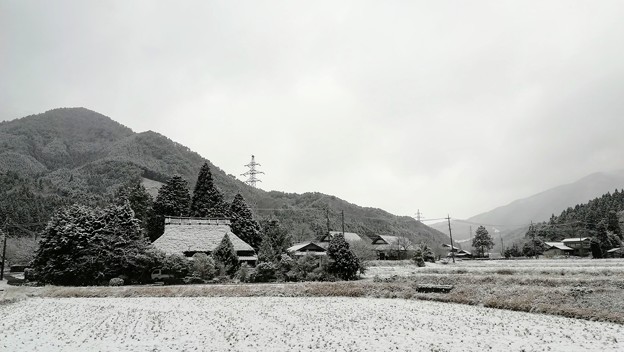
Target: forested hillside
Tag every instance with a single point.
(74, 155)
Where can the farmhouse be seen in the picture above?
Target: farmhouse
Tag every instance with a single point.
(579, 246)
(307, 248)
(187, 236)
(556, 249)
(392, 247)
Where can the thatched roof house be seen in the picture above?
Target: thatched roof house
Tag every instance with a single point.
(187, 236)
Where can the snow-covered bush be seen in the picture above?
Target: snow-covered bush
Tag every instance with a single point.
(116, 281)
(264, 272)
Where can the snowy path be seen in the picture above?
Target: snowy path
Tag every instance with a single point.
(288, 324)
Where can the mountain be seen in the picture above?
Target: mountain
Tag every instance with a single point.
(509, 223)
(72, 155)
(541, 206)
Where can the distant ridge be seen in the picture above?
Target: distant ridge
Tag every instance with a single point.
(539, 207)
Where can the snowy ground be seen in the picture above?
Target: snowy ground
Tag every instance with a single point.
(288, 324)
(548, 267)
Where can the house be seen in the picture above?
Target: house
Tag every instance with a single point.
(580, 246)
(187, 236)
(457, 252)
(350, 237)
(557, 249)
(617, 252)
(393, 247)
(305, 248)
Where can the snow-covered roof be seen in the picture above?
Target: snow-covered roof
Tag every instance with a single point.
(306, 246)
(575, 239)
(349, 236)
(198, 235)
(449, 246)
(558, 245)
(384, 242)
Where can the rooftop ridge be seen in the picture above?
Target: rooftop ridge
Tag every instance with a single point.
(177, 220)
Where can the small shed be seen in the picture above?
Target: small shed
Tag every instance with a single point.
(187, 236)
(305, 248)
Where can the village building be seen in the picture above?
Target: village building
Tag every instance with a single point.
(580, 246)
(392, 247)
(307, 248)
(350, 237)
(617, 252)
(457, 252)
(188, 236)
(557, 249)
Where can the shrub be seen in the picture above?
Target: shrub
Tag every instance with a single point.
(203, 266)
(177, 265)
(193, 280)
(243, 273)
(418, 257)
(284, 266)
(116, 281)
(265, 272)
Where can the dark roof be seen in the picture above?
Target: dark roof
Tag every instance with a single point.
(196, 235)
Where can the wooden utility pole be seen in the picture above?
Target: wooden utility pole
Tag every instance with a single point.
(448, 217)
(327, 216)
(3, 252)
(343, 223)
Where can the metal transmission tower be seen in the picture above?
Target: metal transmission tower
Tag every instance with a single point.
(252, 179)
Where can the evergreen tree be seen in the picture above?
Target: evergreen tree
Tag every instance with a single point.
(243, 224)
(226, 255)
(276, 237)
(207, 201)
(85, 246)
(172, 200)
(140, 201)
(482, 240)
(344, 263)
(613, 223)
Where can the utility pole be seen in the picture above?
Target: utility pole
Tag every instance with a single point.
(327, 216)
(418, 215)
(3, 251)
(343, 223)
(252, 179)
(448, 217)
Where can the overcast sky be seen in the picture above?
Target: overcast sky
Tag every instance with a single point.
(444, 106)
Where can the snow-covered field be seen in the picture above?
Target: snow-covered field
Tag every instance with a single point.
(289, 324)
(559, 267)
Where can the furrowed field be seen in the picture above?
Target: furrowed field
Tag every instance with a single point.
(342, 316)
(289, 324)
